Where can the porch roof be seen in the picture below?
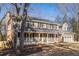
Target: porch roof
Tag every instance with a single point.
(40, 30)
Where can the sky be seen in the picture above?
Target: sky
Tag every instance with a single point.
(44, 10)
(41, 10)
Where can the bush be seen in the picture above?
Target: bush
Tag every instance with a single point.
(2, 37)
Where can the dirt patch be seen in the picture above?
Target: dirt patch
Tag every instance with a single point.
(42, 50)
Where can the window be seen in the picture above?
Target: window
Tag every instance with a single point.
(41, 25)
(48, 26)
(18, 34)
(44, 25)
(55, 27)
(52, 26)
(24, 34)
(35, 25)
(52, 35)
(56, 35)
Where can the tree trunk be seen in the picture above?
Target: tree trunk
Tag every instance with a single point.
(23, 25)
(15, 36)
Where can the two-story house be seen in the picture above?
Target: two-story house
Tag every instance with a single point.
(44, 31)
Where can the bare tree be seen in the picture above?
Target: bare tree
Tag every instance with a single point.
(23, 24)
(73, 9)
(58, 19)
(23, 17)
(18, 7)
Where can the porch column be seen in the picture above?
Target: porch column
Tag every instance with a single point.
(42, 37)
(29, 37)
(47, 37)
(54, 37)
(33, 37)
(57, 37)
(39, 36)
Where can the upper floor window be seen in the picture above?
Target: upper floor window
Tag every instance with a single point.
(55, 27)
(50, 26)
(44, 25)
(35, 25)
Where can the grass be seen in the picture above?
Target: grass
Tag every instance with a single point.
(74, 45)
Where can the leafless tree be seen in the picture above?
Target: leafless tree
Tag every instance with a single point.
(17, 8)
(73, 9)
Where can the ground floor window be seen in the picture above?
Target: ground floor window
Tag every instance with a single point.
(18, 34)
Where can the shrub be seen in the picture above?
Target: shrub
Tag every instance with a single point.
(2, 37)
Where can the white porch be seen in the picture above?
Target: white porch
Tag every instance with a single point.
(43, 38)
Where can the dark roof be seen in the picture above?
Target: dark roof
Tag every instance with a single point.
(40, 19)
(43, 30)
(45, 20)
